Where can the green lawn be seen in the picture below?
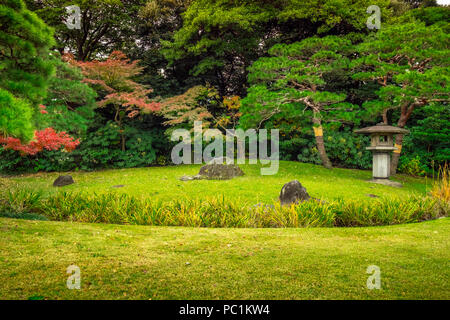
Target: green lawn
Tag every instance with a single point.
(163, 183)
(138, 262)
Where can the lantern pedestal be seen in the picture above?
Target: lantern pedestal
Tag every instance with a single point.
(381, 161)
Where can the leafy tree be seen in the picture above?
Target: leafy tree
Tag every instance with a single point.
(188, 107)
(162, 18)
(106, 25)
(221, 38)
(112, 79)
(70, 103)
(410, 62)
(25, 67)
(429, 138)
(292, 83)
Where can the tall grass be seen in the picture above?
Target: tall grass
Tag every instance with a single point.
(441, 186)
(219, 212)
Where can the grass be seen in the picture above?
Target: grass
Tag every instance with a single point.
(162, 183)
(140, 262)
(128, 209)
(148, 262)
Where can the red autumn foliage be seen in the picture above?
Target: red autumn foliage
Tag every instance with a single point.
(113, 77)
(47, 139)
(42, 109)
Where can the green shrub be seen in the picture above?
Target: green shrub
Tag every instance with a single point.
(99, 150)
(412, 166)
(344, 148)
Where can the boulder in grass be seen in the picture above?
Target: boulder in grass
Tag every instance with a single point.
(220, 171)
(62, 181)
(293, 192)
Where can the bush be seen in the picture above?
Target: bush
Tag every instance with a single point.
(344, 148)
(412, 166)
(100, 149)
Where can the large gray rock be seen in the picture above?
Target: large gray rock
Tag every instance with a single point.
(62, 181)
(220, 171)
(293, 192)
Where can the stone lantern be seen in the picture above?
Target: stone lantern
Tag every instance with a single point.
(381, 145)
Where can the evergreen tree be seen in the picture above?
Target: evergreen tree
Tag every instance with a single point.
(292, 83)
(410, 62)
(25, 67)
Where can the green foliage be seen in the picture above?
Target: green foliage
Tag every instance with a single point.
(429, 15)
(106, 25)
(15, 116)
(412, 166)
(70, 103)
(293, 78)
(25, 66)
(351, 213)
(429, 137)
(220, 213)
(410, 61)
(222, 38)
(100, 149)
(345, 149)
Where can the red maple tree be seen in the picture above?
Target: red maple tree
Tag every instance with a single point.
(112, 78)
(47, 139)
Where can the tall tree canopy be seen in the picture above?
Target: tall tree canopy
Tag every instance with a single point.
(293, 84)
(25, 67)
(221, 38)
(410, 62)
(106, 25)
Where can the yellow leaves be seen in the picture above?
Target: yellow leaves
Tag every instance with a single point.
(441, 188)
(232, 103)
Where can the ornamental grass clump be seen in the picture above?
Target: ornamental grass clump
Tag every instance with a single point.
(219, 212)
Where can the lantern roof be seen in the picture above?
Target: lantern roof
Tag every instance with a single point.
(382, 128)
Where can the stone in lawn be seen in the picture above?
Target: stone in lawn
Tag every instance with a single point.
(118, 186)
(190, 178)
(220, 171)
(62, 181)
(186, 178)
(293, 192)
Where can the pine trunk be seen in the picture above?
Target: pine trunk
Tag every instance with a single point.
(396, 153)
(318, 133)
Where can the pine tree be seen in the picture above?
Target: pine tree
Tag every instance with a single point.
(293, 83)
(410, 62)
(25, 67)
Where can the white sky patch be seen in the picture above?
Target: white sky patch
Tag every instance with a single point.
(443, 2)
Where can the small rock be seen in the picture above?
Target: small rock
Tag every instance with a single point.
(62, 181)
(186, 178)
(118, 186)
(293, 192)
(220, 171)
(372, 195)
